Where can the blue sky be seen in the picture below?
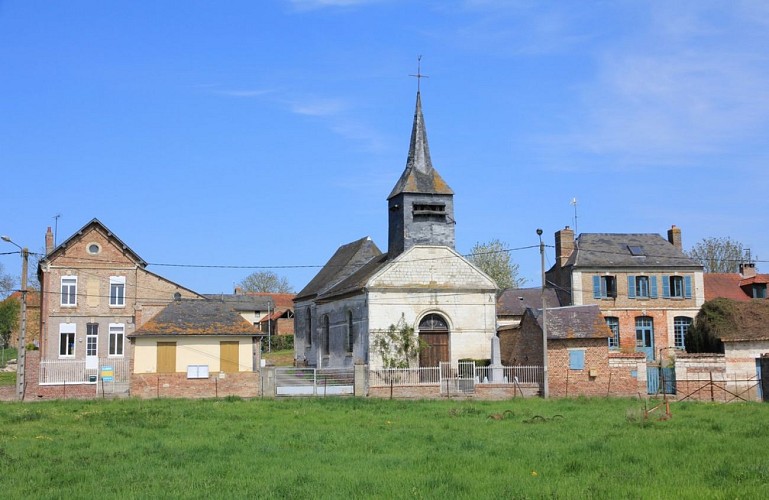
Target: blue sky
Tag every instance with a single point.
(266, 134)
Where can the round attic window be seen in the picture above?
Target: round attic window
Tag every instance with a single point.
(94, 248)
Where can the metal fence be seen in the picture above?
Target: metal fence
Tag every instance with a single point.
(314, 381)
(464, 371)
(58, 371)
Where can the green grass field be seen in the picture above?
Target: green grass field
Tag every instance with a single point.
(360, 448)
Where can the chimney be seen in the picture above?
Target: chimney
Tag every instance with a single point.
(674, 237)
(48, 241)
(747, 270)
(564, 245)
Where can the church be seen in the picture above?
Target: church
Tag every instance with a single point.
(421, 282)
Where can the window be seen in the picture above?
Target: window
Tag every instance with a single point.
(576, 359)
(681, 325)
(429, 211)
(117, 291)
(759, 290)
(116, 339)
(636, 250)
(677, 287)
(324, 337)
(309, 327)
(613, 324)
(642, 287)
(66, 340)
(69, 290)
(644, 332)
(604, 287)
(350, 332)
(91, 339)
(94, 248)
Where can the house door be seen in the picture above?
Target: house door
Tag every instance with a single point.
(166, 357)
(762, 370)
(228, 356)
(92, 346)
(644, 336)
(434, 333)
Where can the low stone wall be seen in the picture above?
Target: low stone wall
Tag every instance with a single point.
(707, 377)
(177, 385)
(495, 392)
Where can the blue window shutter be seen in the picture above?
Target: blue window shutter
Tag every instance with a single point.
(665, 286)
(688, 286)
(576, 360)
(596, 287)
(631, 287)
(653, 286)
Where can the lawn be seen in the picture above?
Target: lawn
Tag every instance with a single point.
(362, 448)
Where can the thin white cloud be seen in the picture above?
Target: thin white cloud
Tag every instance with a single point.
(692, 83)
(318, 107)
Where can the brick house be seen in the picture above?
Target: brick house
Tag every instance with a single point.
(421, 282)
(743, 286)
(193, 345)
(579, 361)
(96, 292)
(647, 289)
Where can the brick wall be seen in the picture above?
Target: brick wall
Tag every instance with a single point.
(600, 376)
(33, 391)
(177, 385)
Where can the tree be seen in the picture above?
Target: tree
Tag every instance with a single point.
(265, 281)
(9, 318)
(398, 346)
(7, 283)
(494, 259)
(719, 255)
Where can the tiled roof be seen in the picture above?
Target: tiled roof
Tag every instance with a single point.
(618, 250)
(725, 285)
(357, 280)
(277, 300)
(574, 322)
(743, 321)
(515, 301)
(95, 223)
(196, 317)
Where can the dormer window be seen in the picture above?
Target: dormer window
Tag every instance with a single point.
(429, 211)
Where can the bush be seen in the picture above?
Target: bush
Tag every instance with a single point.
(278, 343)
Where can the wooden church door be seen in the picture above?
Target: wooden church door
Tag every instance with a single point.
(434, 331)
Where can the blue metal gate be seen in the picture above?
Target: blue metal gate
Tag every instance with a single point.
(660, 380)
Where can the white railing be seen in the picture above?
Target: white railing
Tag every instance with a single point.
(404, 376)
(509, 374)
(434, 376)
(66, 371)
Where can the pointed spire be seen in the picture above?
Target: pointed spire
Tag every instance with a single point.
(419, 175)
(419, 150)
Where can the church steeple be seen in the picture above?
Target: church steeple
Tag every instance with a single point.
(421, 204)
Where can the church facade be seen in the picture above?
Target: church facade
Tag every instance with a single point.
(420, 282)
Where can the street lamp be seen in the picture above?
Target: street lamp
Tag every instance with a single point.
(21, 357)
(545, 387)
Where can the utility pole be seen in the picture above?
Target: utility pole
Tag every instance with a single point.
(545, 387)
(22, 354)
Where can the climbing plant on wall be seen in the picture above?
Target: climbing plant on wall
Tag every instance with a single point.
(398, 345)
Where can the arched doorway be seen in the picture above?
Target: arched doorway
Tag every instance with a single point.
(434, 332)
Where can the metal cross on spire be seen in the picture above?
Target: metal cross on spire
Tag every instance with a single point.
(419, 74)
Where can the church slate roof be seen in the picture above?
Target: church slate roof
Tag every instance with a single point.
(622, 250)
(197, 317)
(357, 280)
(346, 260)
(419, 175)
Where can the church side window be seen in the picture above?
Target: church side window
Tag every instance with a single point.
(350, 332)
(324, 336)
(309, 327)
